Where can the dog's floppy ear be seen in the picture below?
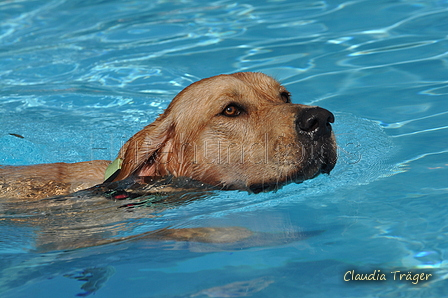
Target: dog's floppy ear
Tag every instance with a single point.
(142, 149)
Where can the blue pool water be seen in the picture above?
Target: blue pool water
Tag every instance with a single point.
(78, 78)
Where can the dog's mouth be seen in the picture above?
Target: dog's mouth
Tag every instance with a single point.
(327, 167)
(328, 158)
(321, 159)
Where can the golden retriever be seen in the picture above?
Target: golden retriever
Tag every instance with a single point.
(236, 132)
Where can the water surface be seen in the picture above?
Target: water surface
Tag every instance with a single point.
(79, 78)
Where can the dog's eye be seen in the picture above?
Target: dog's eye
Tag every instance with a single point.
(231, 111)
(286, 96)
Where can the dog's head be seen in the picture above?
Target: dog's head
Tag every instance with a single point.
(237, 131)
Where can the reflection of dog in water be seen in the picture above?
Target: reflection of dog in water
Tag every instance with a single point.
(229, 132)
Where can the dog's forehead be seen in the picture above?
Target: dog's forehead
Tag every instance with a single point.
(210, 92)
(259, 83)
(244, 84)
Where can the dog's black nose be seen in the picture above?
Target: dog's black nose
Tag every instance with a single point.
(315, 121)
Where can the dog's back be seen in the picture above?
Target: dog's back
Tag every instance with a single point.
(46, 180)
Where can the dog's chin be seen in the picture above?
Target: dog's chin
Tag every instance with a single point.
(298, 177)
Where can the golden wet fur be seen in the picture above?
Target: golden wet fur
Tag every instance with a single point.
(237, 131)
